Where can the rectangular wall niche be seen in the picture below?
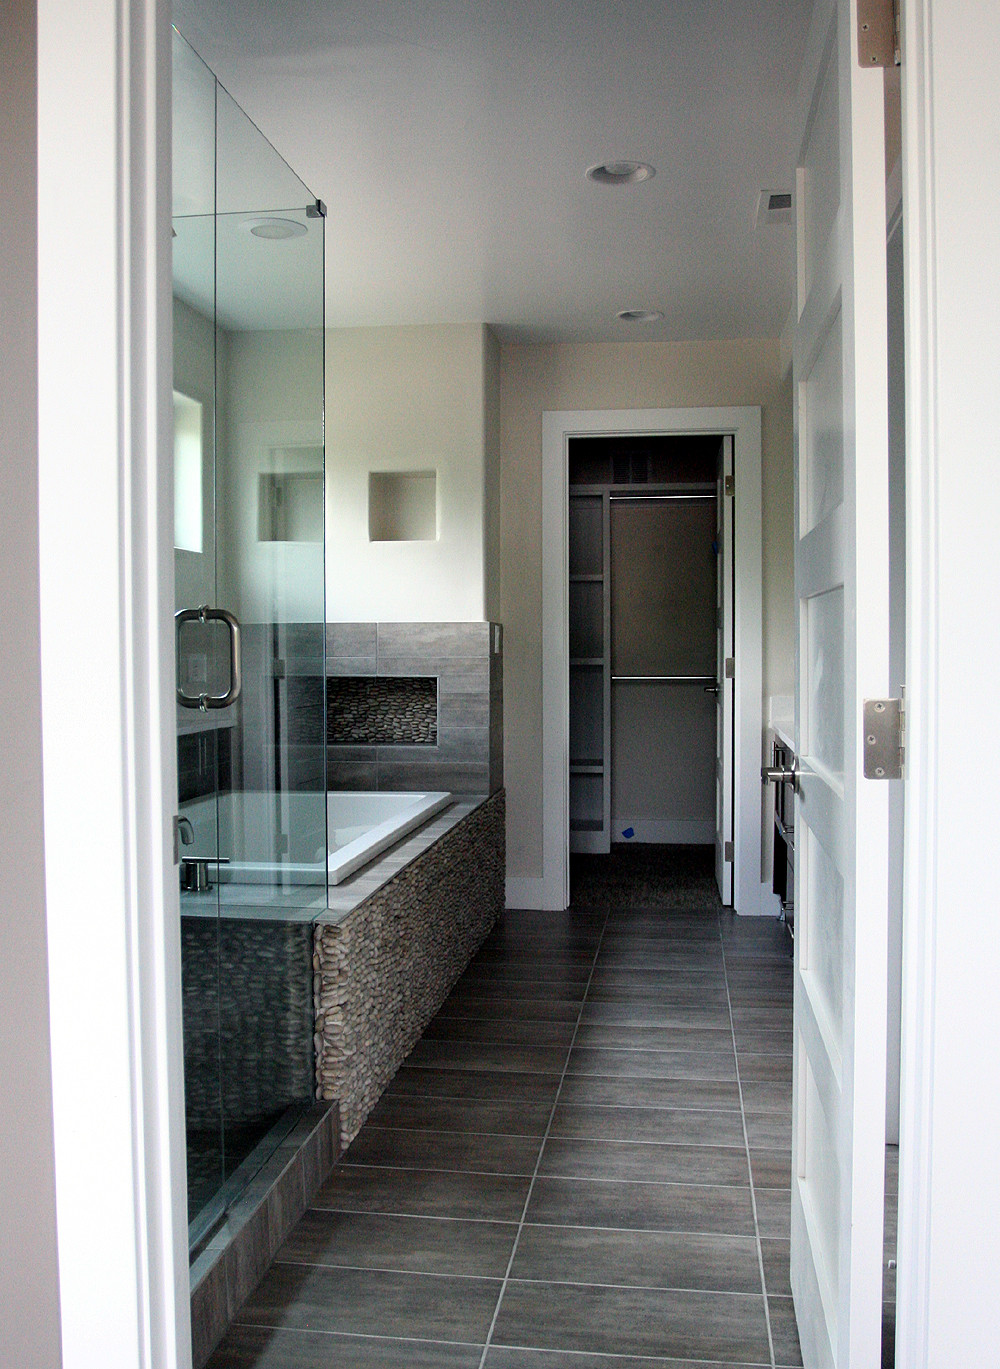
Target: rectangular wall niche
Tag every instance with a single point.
(370, 710)
(402, 506)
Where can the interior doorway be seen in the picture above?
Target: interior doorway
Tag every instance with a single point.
(591, 797)
(650, 571)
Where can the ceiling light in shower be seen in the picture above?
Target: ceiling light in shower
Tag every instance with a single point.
(639, 315)
(620, 173)
(275, 230)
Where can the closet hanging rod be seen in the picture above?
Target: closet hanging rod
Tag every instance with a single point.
(663, 679)
(649, 498)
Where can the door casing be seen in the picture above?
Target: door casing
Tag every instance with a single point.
(750, 896)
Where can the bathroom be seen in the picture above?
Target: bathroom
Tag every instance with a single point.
(339, 678)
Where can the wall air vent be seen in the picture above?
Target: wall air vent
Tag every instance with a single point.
(773, 206)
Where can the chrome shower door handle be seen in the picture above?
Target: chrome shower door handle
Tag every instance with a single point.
(204, 614)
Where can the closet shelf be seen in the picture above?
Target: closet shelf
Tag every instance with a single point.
(596, 579)
(588, 661)
(586, 825)
(586, 768)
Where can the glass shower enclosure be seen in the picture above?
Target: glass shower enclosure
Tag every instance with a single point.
(250, 634)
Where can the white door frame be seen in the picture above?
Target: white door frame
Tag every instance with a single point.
(109, 754)
(557, 427)
(949, 1206)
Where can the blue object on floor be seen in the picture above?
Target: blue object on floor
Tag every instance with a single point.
(629, 832)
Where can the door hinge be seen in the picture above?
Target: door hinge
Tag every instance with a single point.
(884, 739)
(727, 852)
(279, 668)
(730, 667)
(730, 484)
(878, 33)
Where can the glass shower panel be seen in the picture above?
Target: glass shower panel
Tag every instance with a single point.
(249, 496)
(270, 481)
(203, 737)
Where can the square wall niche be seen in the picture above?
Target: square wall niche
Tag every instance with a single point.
(402, 506)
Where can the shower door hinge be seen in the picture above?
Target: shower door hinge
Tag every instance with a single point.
(727, 852)
(730, 668)
(316, 211)
(279, 669)
(883, 720)
(730, 484)
(878, 33)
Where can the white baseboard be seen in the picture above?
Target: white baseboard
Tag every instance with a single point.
(524, 891)
(670, 832)
(767, 905)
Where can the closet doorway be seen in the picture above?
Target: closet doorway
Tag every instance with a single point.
(741, 425)
(650, 620)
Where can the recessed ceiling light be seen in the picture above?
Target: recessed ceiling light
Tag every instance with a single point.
(639, 315)
(275, 230)
(621, 173)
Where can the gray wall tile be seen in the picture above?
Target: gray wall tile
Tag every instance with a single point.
(438, 639)
(350, 639)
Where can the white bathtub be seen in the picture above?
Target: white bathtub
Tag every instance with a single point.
(253, 828)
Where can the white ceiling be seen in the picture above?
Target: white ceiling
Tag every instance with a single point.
(449, 140)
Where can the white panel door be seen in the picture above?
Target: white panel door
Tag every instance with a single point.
(724, 684)
(841, 577)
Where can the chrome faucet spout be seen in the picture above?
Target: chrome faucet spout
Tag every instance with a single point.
(185, 831)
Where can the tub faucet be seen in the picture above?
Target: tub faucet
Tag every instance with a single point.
(185, 831)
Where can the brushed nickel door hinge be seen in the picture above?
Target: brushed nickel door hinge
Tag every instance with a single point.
(730, 669)
(884, 740)
(878, 33)
(727, 852)
(730, 484)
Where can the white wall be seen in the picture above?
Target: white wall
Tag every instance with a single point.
(417, 398)
(534, 379)
(29, 1303)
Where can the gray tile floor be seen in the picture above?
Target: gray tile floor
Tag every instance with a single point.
(584, 1164)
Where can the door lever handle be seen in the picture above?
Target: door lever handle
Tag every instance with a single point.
(775, 774)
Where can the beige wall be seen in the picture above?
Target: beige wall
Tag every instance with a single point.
(411, 399)
(29, 1300)
(618, 376)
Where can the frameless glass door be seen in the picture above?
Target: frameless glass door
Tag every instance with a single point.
(249, 530)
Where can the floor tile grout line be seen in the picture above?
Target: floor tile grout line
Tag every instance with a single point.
(656, 1359)
(496, 1278)
(565, 1178)
(541, 1151)
(555, 1226)
(592, 1140)
(746, 1139)
(638, 1107)
(426, 1340)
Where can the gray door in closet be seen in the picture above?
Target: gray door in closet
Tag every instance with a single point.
(663, 662)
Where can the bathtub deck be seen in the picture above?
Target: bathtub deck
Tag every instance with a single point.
(306, 903)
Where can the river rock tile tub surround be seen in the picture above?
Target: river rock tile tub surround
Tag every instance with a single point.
(381, 974)
(381, 711)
